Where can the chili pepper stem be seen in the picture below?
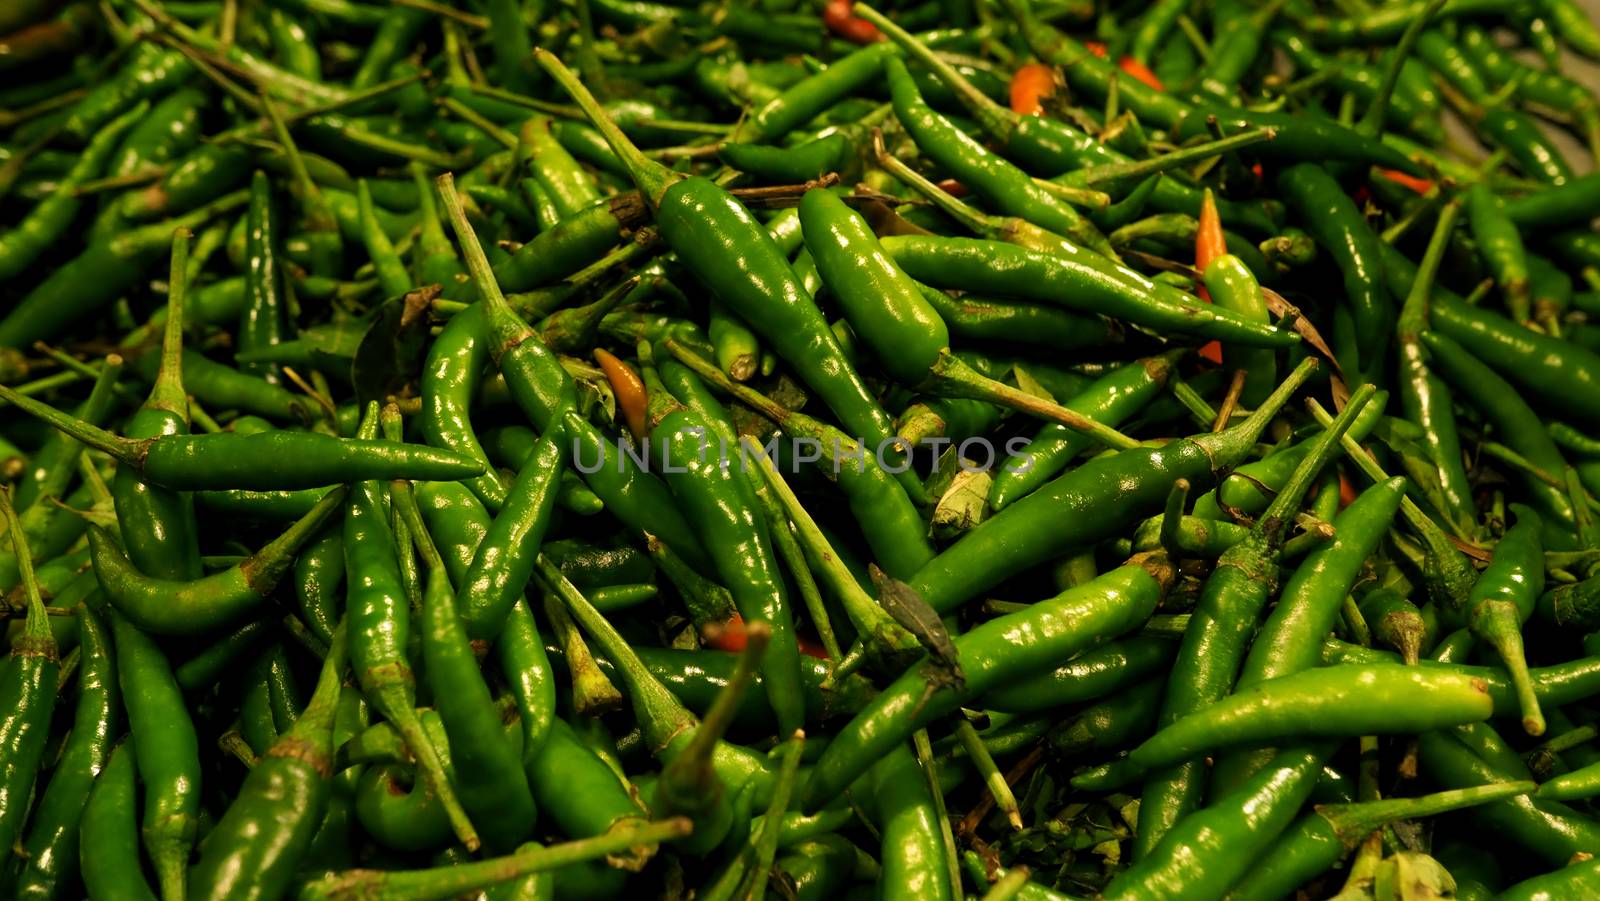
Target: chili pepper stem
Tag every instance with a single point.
(592, 693)
(689, 784)
(662, 717)
(652, 177)
(450, 881)
(124, 450)
(993, 779)
(1232, 443)
(1496, 622)
(1353, 822)
(884, 636)
(167, 393)
(953, 378)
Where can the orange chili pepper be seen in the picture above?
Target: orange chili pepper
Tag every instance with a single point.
(1347, 491)
(1031, 85)
(1419, 185)
(1208, 239)
(1208, 245)
(1138, 70)
(629, 389)
(842, 21)
(732, 636)
(1128, 65)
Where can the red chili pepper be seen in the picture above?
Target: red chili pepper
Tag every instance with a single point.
(732, 636)
(1419, 185)
(1347, 491)
(1138, 70)
(953, 188)
(1030, 87)
(842, 21)
(1127, 64)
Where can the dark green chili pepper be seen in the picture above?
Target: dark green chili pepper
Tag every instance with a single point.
(722, 504)
(503, 562)
(168, 750)
(1001, 649)
(1336, 223)
(50, 852)
(489, 776)
(1118, 489)
(267, 461)
(744, 269)
(1235, 829)
(46, 222)
(379, 620)
(1309, 704)
(1514, 421)
(1111, 399)
(158, 525)
(915, 863)
(65, 297)
(1010, 189)
(256, 849)
(108, 850)
(168, 607)
(1085, 283)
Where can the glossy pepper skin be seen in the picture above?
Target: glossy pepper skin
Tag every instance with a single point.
(1336, 223)
(256, 849)
(1082, 506)
(1014, 645)
(718, 240)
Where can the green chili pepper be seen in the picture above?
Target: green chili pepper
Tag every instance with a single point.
(108, 856)
(1117, 489)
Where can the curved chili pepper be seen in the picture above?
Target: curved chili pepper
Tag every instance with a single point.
(378, 617)
(489, 777)
(168, 607)
(1235, 828)
(47, 221)
(1138, 479)
(761, 288)
(1302, 706)
(1503, 406)
(53, 840)
(989, 655)
(1114, 397)
(269, 826)
(1083, 282)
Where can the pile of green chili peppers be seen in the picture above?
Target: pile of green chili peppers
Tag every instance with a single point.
(585, 449)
